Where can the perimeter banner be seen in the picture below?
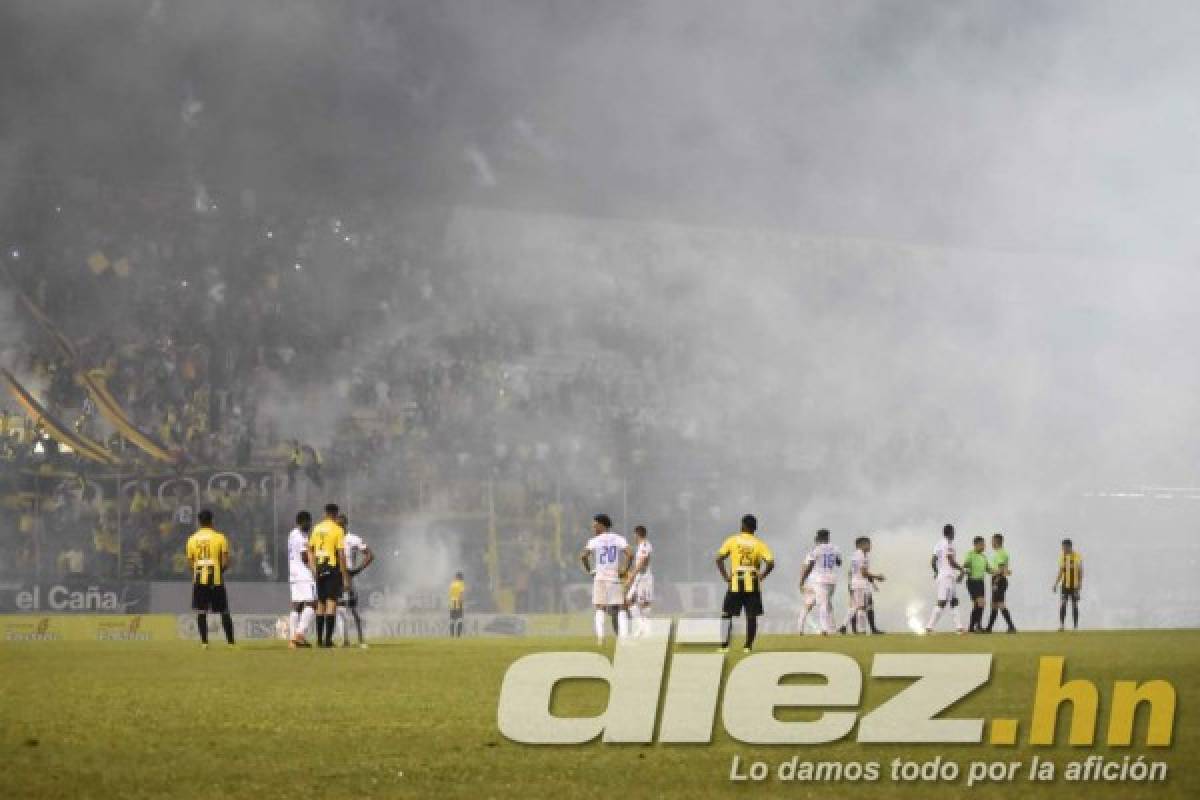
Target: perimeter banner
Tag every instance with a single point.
(32, 628)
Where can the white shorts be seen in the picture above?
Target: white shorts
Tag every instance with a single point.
(304, 591)
(641, 592)
(607, 593)
(945, 588)
(859, 595)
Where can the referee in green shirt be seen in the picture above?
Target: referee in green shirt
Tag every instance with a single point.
(1000, 573)
(976, 567)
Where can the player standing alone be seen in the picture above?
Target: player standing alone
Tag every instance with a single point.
(208, 554)
(750, 562)
(641, 586)
(300, 581)
(947, 573)
(457, 589)
(823, 563)
(358, 558)
(610, 557)
(1000, 573)
(1070, 577)
(327, 552)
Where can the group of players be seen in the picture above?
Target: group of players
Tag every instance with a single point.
(323, 561)
(322, 564)
(623, 586)
(622, 583)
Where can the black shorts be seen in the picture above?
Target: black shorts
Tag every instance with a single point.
(329, 584)
(737, 602)
(975, 588)
(999, 587)
(350, 598)
(207, 597)
(1070, 594)
(456, 613)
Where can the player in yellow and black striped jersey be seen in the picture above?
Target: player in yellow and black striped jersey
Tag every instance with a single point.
(1070, 578)
(327, 552)
(750, 562)
(457, 589)
(208, 556)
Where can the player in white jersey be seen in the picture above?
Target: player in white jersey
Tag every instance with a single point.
(606, 557)
(947, 573)
(862, 586)
(641, 585)
(300, 581)
(358, 558)
(822, 564)
(809, 594)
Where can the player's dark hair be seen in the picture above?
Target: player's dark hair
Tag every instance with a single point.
(1068, 542)
(860, 541)
(749, 523)
(977, 540)
(204, 517)
(947, 530)
(603, 519)
(304, 518)
(640, 529)
(458, 575)
(823, 535)
(999, 537)
(331, 509)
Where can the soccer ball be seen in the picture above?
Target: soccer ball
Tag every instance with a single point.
(282, 628)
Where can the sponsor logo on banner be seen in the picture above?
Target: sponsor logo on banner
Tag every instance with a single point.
(86, 627)
(94, 597)
(245, 626)
(31, 631)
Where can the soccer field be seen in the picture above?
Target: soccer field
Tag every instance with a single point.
(417, 718)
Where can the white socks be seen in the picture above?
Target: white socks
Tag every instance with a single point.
(306, 619)
(933, 618)
(600, 620)
(957, 618)
(862, 621)
(622, 623)
(635, 620)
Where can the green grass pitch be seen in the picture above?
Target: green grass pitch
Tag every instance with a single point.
(417, 718)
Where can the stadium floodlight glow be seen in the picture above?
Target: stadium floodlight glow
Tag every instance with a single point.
(15, 253)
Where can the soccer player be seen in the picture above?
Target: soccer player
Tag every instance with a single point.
(457, 589)
(862, 586)
(358, 558)
(1000, 573)
(1070, 577)
(809, 593)
(750, 562)
(641, 584)
(977, 569)
(208, 555)
(947, 573)
(327, 551)
(823, 563)
(300, 581)
(610, 556)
